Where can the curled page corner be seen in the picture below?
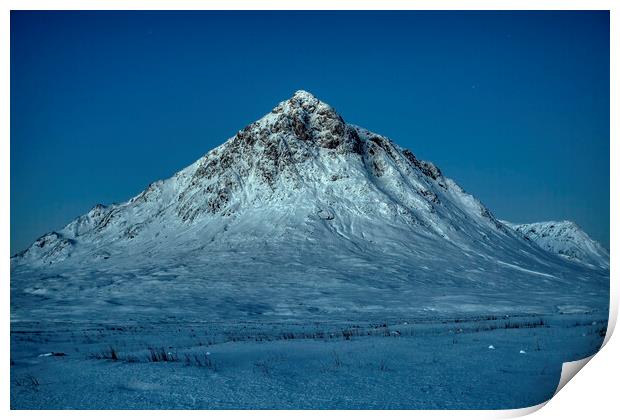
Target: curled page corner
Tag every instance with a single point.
(569, 370)
(519, 412)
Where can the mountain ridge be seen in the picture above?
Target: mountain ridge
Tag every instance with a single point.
(207, 185)
(312, 121)
(565, 238)
(299, 214)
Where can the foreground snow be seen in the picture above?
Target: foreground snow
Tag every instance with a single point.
(426, 364)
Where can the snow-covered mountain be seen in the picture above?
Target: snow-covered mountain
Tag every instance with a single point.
(565, 238)
(299, 214)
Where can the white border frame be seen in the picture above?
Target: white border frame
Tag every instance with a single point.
(593, 394)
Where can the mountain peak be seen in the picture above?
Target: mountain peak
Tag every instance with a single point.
(303, 95)
(304, 104)
(303, 120)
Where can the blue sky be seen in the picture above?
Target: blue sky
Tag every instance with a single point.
(513, 105)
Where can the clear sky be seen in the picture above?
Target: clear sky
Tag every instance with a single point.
(514, 106)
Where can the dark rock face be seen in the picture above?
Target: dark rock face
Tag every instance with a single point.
(294, 131)
(486, 213)
(430, 196)
(354, 141)
(430, 170)
(427, 168)
(385, 146)
(298, 123)
(106, 219)
(411, 158)
(314, 123)
(272, 149)
(218, 201)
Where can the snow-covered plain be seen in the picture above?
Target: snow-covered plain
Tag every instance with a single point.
(320, 265)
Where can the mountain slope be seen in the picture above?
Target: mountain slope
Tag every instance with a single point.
(566, 239)
(299, 214)
(301, 155)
